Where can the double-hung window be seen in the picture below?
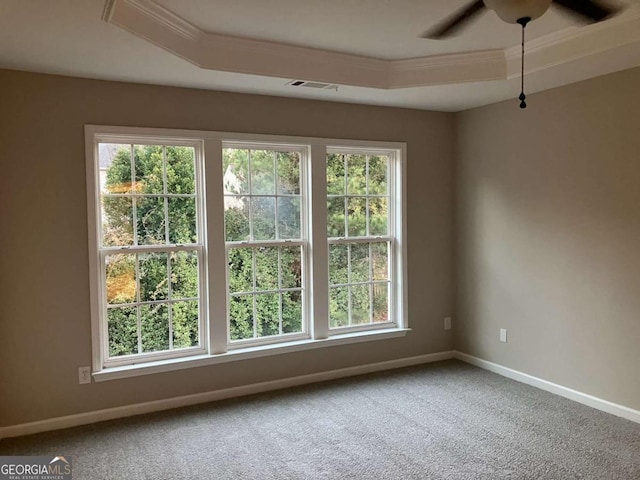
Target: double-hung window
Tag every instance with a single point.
(265, 242)
(150, 249)
(360, 231)
(208, 246)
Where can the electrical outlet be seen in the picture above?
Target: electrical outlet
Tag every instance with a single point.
(84, 375)
(503, 335)
(447, 323)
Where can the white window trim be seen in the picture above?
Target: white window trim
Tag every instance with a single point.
(101, 359)
(214, 334)
(246, 353)
(397, 231)
(305, 184)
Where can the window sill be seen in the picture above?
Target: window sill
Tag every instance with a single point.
(114, 373)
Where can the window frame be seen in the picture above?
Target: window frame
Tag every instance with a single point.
(303, 242)
(394, 295)
(214, 333)
(102, 359)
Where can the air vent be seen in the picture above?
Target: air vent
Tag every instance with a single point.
(320, 85)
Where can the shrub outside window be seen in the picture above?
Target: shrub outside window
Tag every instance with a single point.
(206, 244)
(360, 237)
(150, 250)
(263, 195)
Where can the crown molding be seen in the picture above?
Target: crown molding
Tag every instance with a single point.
(164, 17)
(212, 51)
(154, 23)
(242, 55)
(447, 69)
(574, 43)
(107, 10)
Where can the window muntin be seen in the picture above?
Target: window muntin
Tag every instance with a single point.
(265, 292)
(140, 305)
(263, 198)
(358, 283)
(360, 237)
(150, 250)
(357, 195)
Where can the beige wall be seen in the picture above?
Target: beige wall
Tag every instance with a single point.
(44, 303)
(548, 235)
(547, 231)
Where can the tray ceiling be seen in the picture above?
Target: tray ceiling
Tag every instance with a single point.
(258, 46)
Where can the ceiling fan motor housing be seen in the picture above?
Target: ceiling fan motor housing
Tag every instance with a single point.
(512, 10)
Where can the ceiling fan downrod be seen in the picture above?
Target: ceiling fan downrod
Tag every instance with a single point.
(523, 104)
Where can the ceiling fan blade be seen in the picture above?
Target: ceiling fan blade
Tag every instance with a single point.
(449, 26)
(590, 10)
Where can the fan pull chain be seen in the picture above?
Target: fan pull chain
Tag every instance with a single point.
(523, 104)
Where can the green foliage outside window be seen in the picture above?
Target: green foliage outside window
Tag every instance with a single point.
(262, 202)
(160, 218)
(357, 206)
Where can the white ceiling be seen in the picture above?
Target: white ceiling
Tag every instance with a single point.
(388, 29)
(69, 37)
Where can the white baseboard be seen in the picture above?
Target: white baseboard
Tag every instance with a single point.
(584, 398)
(166, 404)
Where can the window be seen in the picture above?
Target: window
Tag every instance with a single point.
(263, 195)
(150, 250)
(360, 237)
(213, 246)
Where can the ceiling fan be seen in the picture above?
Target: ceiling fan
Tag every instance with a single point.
(521, 12)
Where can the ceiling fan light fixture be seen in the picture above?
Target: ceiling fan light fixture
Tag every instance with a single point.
(511, 11)
(521, 12)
